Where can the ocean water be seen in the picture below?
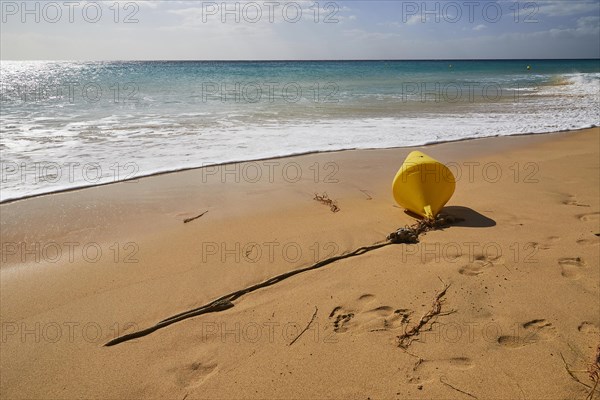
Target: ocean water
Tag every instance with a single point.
(72, 124)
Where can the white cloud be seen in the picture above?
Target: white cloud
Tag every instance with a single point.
(586, 26)
(480, 27)
(591, 21)
(415, 19)
(559, 8)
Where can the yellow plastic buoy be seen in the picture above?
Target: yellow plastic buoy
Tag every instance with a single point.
(423, 185)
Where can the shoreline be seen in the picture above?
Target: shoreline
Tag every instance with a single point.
(285, 156)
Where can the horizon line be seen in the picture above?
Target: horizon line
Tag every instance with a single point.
(309, 59)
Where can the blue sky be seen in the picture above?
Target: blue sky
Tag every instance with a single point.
(206, 30)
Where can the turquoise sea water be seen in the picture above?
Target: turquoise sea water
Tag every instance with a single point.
(146, 117)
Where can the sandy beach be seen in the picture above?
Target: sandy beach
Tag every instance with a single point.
(522, 307)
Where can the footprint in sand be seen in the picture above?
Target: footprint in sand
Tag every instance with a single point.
(480, 265)
(550, 241)
(529, 333)
(341, 319)
(477, 267)
(571, 267)
(588, 327)
(194, 374)
(595, 216)
(572, 201)
(592, 240)
(364, 315)
(424, 371)
(385, 318)
(366, 298)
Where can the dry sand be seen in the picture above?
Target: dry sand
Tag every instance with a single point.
(523, 270)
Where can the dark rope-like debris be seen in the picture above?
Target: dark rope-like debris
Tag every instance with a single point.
(594, 373)
(185, 221)
(324, 198)
(225, 302)
(457, 389)
(407, 337)
(571, 374)
(307, 325)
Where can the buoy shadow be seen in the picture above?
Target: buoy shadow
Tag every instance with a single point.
(470, 218)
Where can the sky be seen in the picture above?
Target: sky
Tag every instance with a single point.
(290, 30)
